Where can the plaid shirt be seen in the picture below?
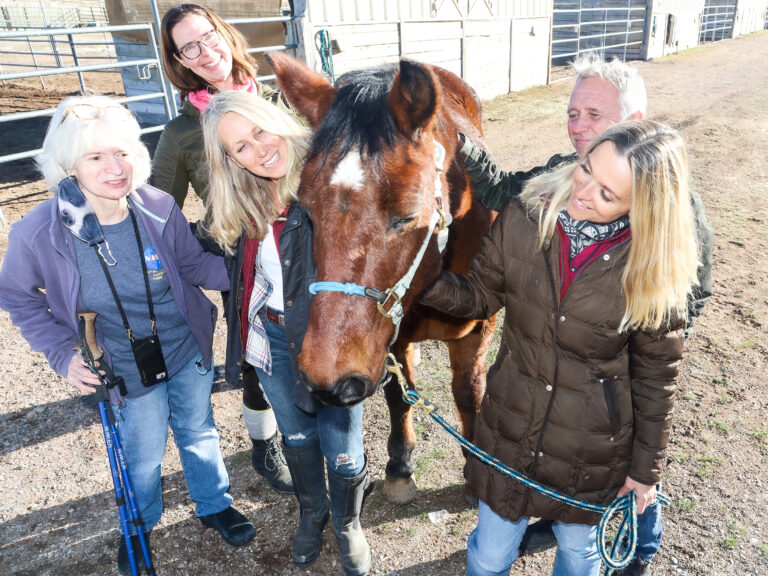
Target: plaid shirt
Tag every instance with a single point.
(257, 351)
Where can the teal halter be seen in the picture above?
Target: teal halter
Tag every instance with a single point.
(395, 312)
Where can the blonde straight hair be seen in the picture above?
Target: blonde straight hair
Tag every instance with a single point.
(663, 256)
(239, 202)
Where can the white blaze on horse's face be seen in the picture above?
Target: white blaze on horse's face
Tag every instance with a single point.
(349, 173)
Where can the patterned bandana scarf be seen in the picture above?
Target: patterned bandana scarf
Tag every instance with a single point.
(583, 233)
(80, 219)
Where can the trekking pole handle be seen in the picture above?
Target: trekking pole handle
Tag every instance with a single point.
(90, 333)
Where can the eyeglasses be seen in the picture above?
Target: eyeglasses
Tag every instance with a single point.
(193, 50)
(92, 112)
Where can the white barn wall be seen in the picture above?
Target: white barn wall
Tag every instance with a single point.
(750, 16)
(661, 41)
(495, 45)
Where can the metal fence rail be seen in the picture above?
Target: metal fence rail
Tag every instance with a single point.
(615, 27)
(28, 15)
(79, 68)
(717, 20)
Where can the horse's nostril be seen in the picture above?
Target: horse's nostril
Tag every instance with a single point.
(351, 390)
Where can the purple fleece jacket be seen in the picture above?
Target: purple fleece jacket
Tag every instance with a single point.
(40, 281)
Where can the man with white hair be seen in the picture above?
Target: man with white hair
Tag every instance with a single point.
(605, 93)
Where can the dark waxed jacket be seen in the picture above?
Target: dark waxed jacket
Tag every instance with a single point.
(495, 188)
(570, 401)
(298, 273)
(179, 158)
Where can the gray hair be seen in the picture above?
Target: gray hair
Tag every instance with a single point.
(626, 79)
(69, 137)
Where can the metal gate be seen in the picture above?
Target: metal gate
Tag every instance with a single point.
(78, 66)
(616, 27)
(717, 20)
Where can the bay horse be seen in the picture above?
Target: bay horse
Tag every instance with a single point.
(383, 161)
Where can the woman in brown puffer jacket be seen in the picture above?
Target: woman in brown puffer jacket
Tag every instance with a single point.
(593, 266)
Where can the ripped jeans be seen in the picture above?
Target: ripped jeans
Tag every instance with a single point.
(339, 430)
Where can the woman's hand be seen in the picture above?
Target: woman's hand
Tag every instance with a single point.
(80, 376)
(646, 495)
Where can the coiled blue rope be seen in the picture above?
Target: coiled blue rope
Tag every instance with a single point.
(324, 48)
(622, 548)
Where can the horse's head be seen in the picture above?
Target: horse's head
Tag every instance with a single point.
(374, 186)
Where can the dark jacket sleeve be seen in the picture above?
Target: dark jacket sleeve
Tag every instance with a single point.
(493, 186)
(480, 292)
(654, 362)
(178, 158)
(703, 292)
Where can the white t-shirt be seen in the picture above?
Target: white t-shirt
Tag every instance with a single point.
(270, 264)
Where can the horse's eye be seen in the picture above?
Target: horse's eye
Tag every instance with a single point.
(397, 224)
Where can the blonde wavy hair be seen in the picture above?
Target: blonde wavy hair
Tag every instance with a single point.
(239, 202)
(663, 256)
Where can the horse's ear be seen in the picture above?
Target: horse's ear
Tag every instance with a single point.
(307, 91)
(414, 96)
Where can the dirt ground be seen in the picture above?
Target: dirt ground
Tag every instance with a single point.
(57, 514)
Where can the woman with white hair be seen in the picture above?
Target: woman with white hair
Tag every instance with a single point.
(109, 243)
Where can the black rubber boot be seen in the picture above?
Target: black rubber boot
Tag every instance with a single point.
(268, 461)
(307, 466)
(347, 498)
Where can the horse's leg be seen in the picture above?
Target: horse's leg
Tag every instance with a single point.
(399, 485)
(468, 366)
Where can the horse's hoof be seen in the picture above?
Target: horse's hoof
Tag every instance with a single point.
(400, 490)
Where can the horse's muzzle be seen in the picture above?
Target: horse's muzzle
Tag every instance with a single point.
(347, 391)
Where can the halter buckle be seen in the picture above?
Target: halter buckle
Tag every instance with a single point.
(395, 312)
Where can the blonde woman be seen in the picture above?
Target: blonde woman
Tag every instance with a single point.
(594, 266)
(203, 55)
(255, 153)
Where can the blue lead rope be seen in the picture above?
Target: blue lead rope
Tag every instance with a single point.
(622, 548)
(349, 288)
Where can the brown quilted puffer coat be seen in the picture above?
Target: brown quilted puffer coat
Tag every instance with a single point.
(570, 402)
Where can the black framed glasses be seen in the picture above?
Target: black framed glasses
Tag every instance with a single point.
(193, 50)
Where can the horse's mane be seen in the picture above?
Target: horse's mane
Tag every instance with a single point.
(360, 117)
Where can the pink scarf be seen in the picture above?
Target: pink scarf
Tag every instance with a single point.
(201, 98)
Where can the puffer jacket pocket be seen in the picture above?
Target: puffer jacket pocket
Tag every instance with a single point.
(612, 401)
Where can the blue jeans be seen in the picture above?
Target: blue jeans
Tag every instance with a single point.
(493, 546)
(649, 532)
(184, 403)
(339, 430)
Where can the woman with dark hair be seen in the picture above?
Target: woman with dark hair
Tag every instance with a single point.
(203, 55)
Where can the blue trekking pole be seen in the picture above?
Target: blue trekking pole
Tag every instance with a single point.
(124, 496)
